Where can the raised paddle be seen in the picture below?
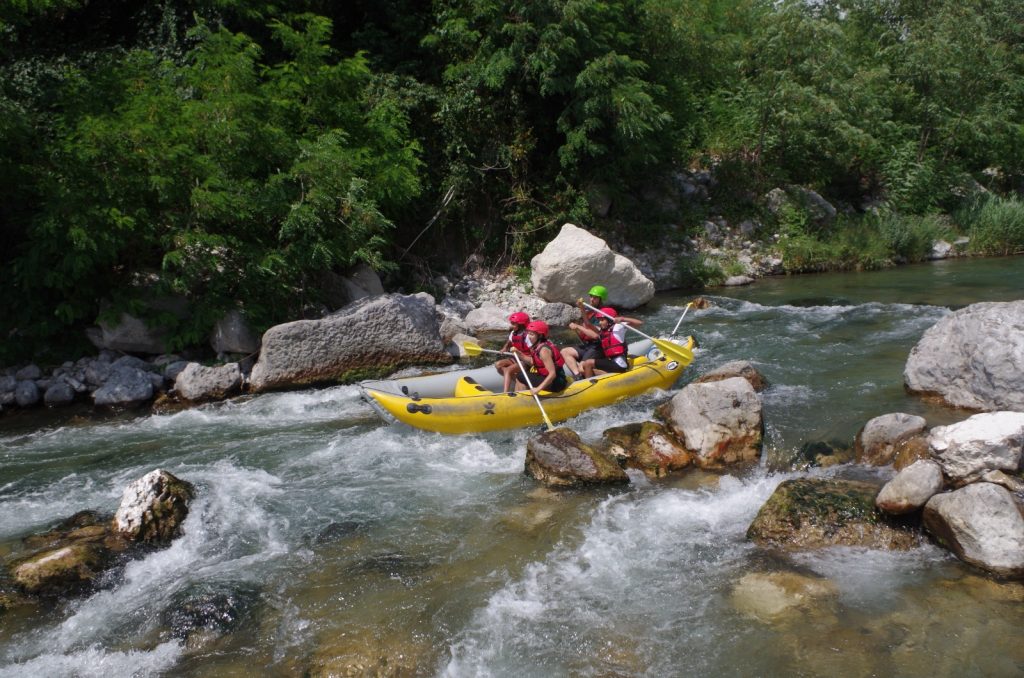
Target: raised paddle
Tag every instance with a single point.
(676, 328)
(477, 349)
(680, 353)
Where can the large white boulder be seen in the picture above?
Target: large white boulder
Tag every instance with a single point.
(972, 358)
(968, 449)
(576, 260)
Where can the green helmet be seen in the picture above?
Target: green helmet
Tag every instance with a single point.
(598, 291)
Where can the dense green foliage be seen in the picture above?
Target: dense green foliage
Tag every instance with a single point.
(236, 152)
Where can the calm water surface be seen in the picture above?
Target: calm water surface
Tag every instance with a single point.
(326, 539)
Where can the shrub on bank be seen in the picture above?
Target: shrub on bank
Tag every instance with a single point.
(995, 225)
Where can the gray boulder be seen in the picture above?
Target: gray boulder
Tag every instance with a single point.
(972, 358)
(26, 393)
(982, 525)
(487, 318)
(232, 334)
(558, 458)
(735, 368)
(576, 260)
(59, 393)
(124, 386)
(557, 314)
(133, 335)
(719, 422)
(375, 335)
(878, 443)
(911, 488)
(29, 372)
(984, 442)
(7, 383)
(197, 382)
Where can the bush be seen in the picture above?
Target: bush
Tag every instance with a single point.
(908, 237)
(697, 272)
(995, 225)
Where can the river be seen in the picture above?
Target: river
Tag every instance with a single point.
(322, 538)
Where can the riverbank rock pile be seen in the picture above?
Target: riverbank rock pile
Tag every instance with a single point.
(969, 491)
(712, 425)
(72, 556)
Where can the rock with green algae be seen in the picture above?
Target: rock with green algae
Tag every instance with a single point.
(649, 447)
(809, 513)
(559, 458)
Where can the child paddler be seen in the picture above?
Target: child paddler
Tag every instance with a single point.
(589, 346)
(545, 371)
(507, 367)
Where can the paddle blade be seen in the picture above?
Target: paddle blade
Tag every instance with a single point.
(472, 349)
(674, 351)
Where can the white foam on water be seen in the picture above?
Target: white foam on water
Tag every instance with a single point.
(233, 532)
(869, 578)
(95, 662)
(649, 558)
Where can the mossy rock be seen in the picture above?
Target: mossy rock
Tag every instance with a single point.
(810, 513)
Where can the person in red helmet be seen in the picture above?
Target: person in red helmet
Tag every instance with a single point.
(612, 336)
(546, 371)
(507, 367)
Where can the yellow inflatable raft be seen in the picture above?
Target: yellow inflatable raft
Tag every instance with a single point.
(466, 401)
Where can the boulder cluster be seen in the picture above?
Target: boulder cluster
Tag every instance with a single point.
(961, 485)
(713, 423)
(72, 556)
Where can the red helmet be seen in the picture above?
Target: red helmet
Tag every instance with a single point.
(609, 311)
(538, 326)
(519, 318)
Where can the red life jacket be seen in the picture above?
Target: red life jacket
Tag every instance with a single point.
(612, 346)
(538, 363)
(589, 317)
(518, 340)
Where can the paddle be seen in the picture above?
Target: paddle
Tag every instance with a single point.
(676, 328)
(536, 398)
(680, 353)
(477, 349)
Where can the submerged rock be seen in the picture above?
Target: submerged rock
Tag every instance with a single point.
(559, 458)
(769, 596)
(809, 513)
(61, 569)
(735, 368)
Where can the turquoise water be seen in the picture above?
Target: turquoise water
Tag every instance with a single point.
(345, 542)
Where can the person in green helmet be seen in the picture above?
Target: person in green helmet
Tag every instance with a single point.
(589, 333)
